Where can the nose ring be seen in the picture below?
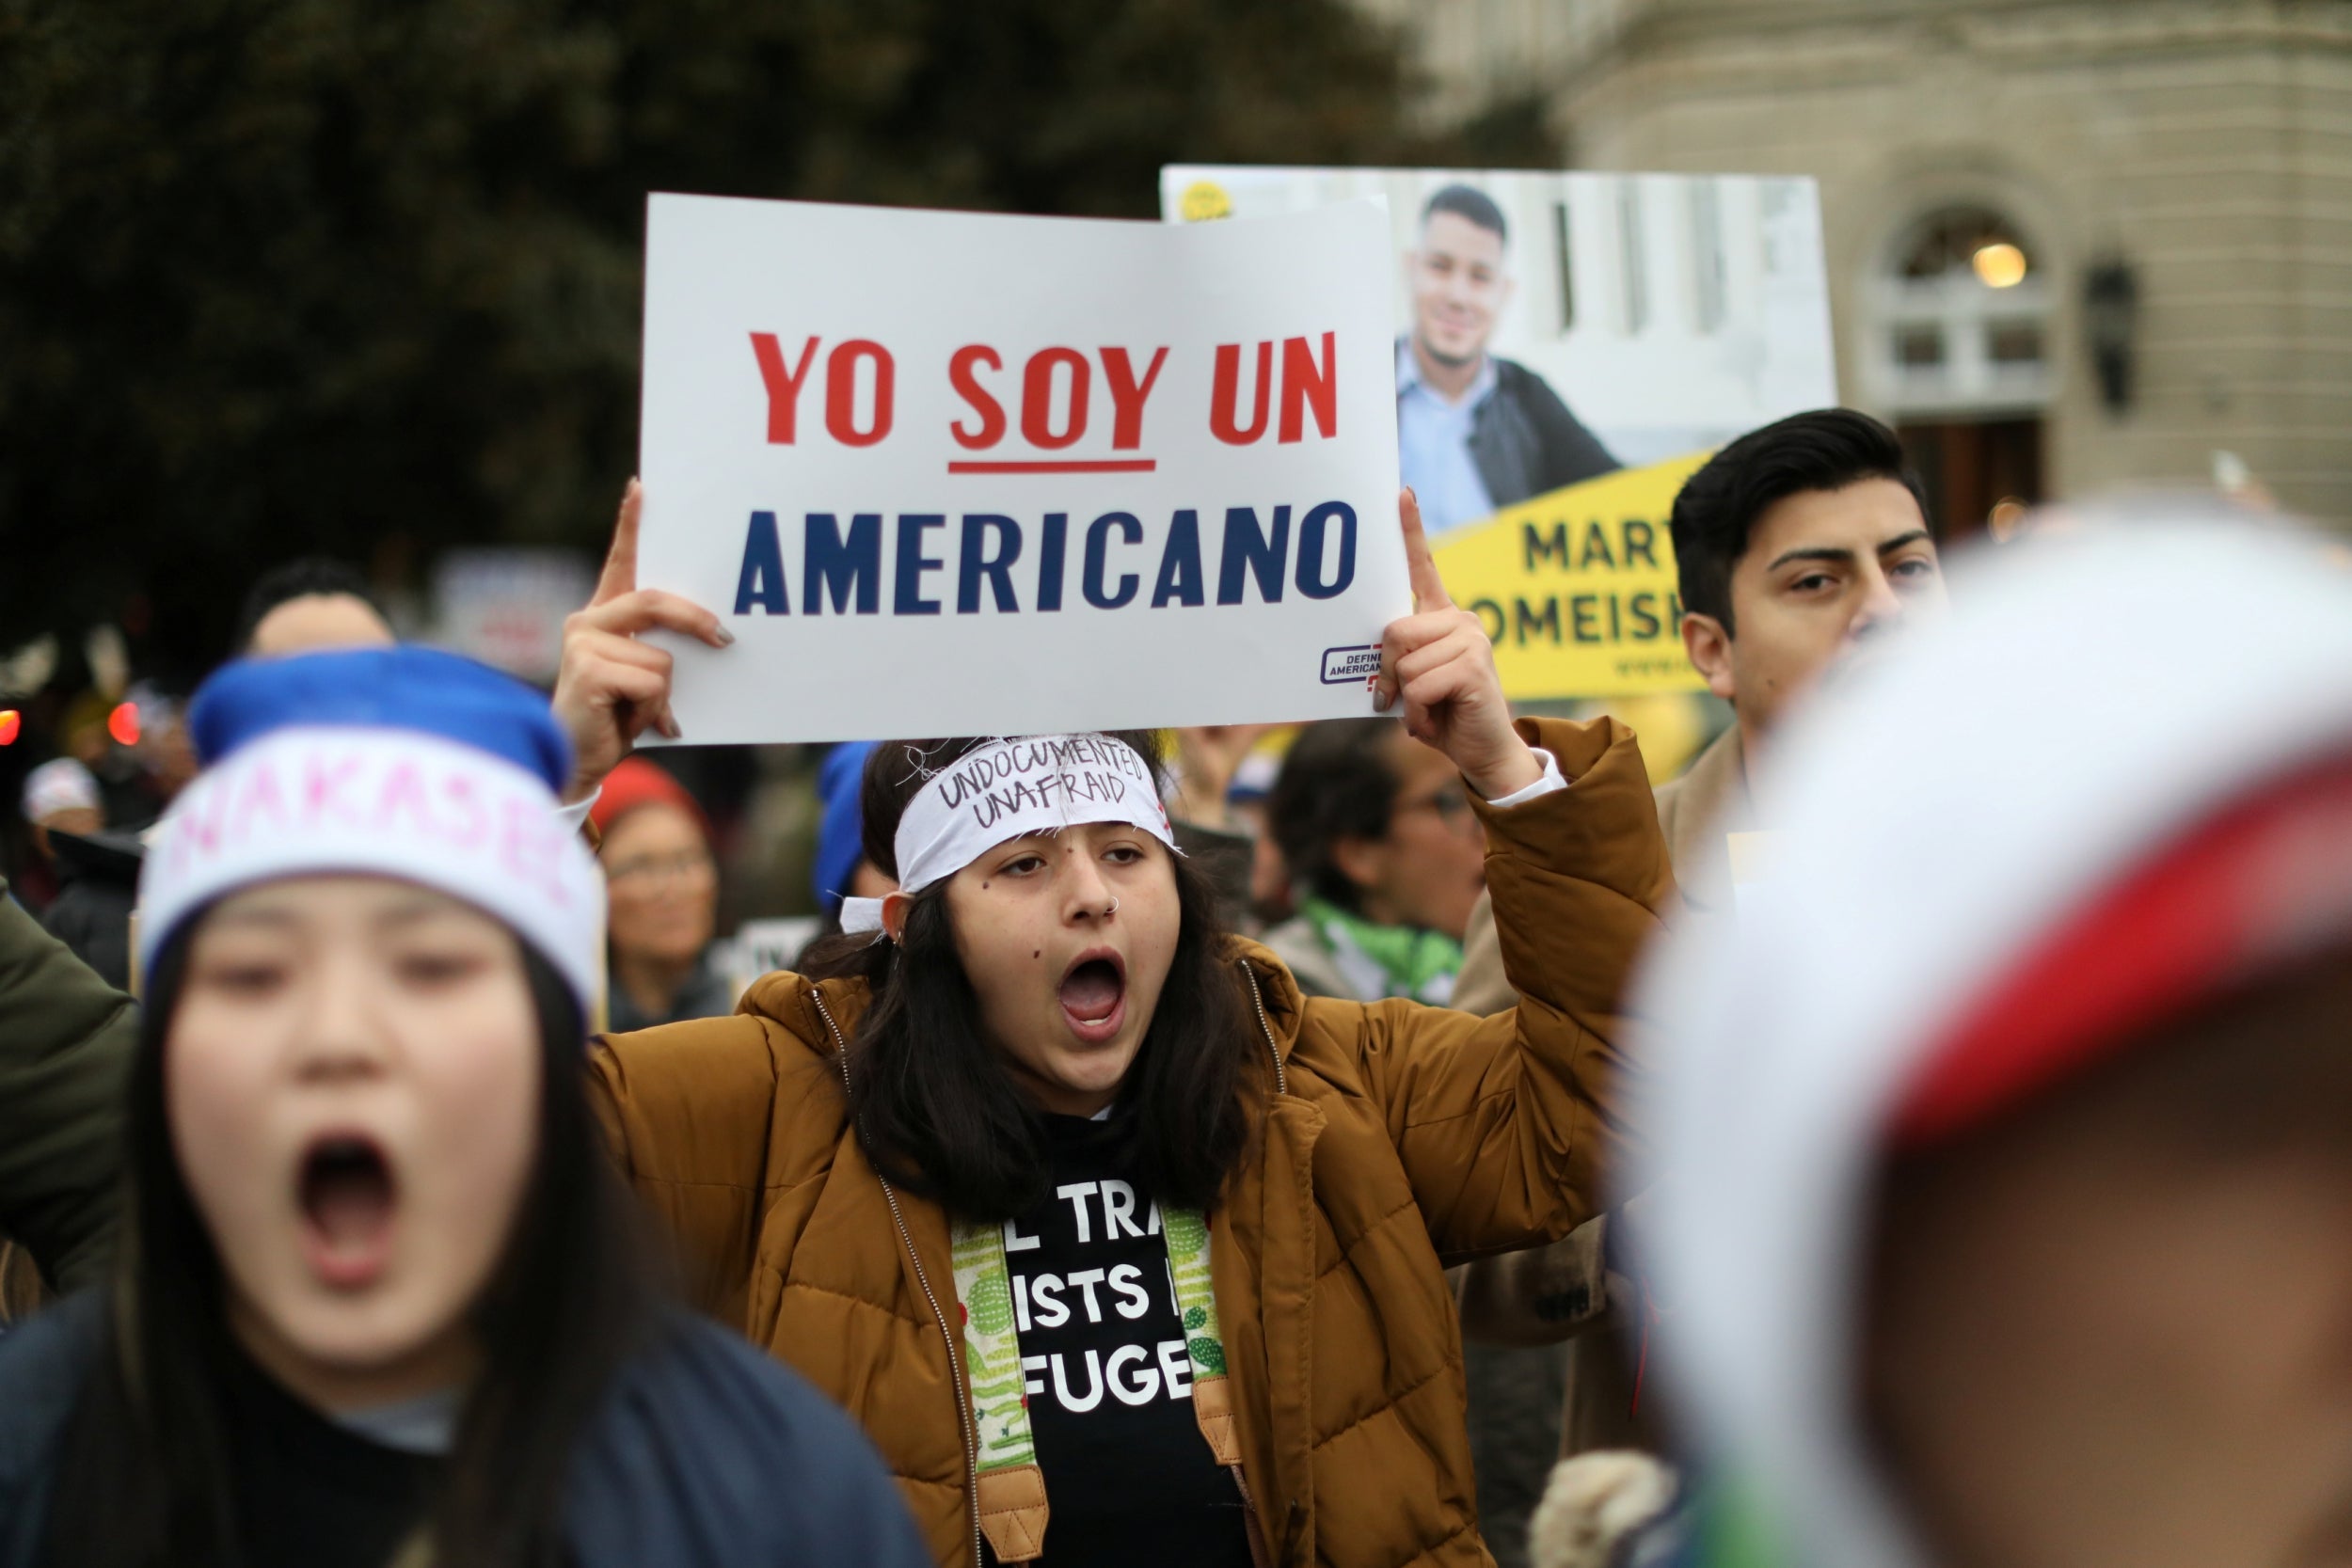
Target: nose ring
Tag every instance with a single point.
(1112, 911)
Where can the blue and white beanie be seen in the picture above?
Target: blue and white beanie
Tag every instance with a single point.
(403, 762)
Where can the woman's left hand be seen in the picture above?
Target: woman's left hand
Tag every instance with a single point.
(1439, 662)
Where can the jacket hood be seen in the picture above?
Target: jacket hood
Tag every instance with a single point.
(2093, 697)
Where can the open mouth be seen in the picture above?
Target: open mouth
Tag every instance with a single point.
(347, 1197)
(1094, 995)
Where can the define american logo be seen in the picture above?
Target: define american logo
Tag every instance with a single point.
(1357, 664)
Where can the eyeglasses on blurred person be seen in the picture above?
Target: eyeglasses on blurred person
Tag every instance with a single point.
(1385, 859)
(663, 890)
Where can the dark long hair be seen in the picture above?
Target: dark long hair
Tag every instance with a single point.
(1336, 783)
(144, 1481)
(937, 1112)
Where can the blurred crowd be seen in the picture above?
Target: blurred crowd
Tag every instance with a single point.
(1911, 1133)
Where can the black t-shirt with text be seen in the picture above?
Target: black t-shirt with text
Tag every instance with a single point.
(1130, 1480)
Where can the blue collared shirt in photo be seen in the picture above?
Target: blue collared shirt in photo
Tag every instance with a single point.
(1433, 449)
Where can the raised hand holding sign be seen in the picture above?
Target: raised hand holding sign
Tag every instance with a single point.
(612, 687)
(1439, 662)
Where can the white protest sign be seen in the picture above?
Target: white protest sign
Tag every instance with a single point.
(947, 473)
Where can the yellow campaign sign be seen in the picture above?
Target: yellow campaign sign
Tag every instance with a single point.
(1577, 587)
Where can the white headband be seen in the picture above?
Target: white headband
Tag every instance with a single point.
(1005, 789)
(387, 802)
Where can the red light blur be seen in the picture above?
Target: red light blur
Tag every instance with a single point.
(10, 722)
(123, 723)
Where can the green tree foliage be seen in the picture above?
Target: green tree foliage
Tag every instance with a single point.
(283, 275)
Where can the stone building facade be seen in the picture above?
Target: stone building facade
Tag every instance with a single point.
(2175, 175)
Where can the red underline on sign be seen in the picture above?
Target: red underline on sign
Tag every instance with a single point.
(1073, 466)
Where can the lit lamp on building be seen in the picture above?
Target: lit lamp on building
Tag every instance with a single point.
(1998, 264)
(2111, 318)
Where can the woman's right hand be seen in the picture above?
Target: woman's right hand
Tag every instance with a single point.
(611, 687)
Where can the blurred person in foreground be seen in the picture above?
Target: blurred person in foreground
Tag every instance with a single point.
(67, 1035)
(662, 887)
(1475, 432)
(379, 1298)
(1801, 547)
(2003, 1216)
(1387, 857)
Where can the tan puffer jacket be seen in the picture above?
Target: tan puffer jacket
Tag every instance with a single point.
(1394, 1139)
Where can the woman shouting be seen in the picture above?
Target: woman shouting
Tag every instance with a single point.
(377, 1299)
(1123, 1251)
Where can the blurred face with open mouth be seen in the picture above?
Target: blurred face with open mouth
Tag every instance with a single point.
(353, 1073)
(1067, 939)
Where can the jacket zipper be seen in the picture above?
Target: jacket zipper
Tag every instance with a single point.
(1282, 1079)
(955, 1367)
(1261, 1554)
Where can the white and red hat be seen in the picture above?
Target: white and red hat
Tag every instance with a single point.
(2116, 782)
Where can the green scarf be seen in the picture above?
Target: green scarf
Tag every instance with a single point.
(1386, 960)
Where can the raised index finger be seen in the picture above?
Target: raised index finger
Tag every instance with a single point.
(620, 563)
(1428, 587)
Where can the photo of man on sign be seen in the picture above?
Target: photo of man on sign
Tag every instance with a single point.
(1475, 431)
(1569, 349)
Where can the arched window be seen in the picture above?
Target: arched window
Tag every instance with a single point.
(1961, 318)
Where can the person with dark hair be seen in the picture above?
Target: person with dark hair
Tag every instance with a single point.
(313, 602)
(1386, 860)
(1799, 547)
(1124, 1250)
(377, 1297)
(1475, 432)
